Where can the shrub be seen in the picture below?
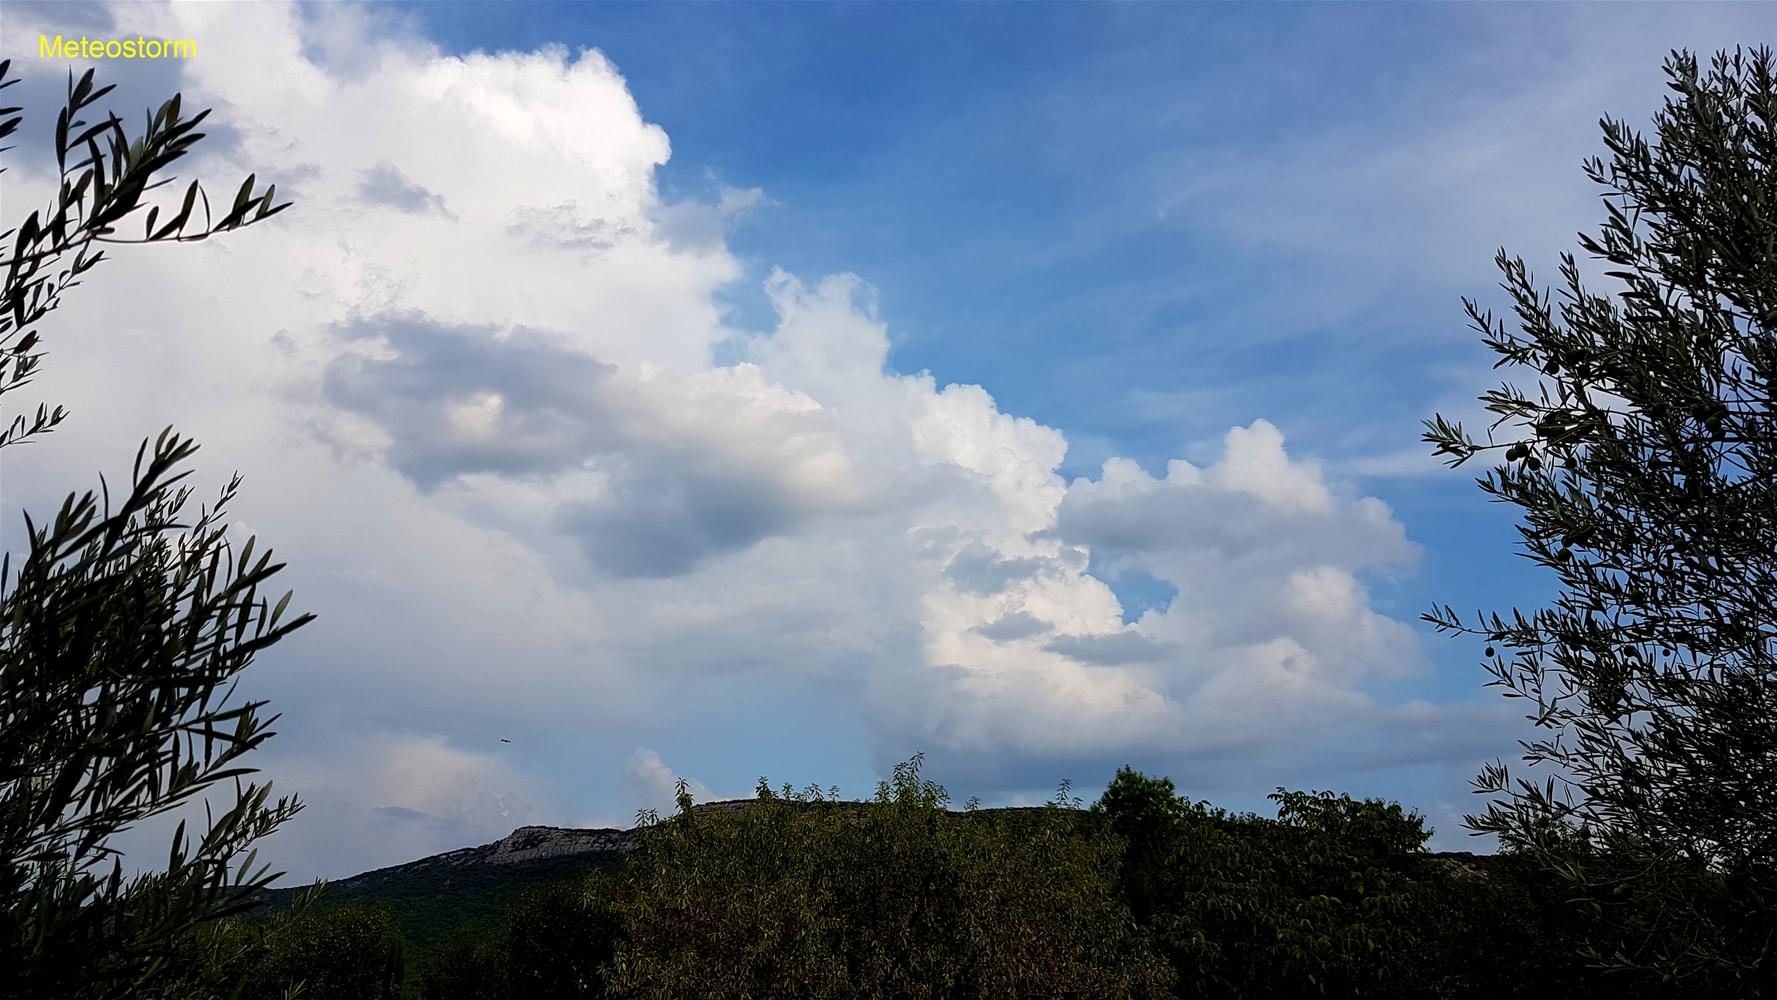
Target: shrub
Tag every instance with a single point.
(800, 895)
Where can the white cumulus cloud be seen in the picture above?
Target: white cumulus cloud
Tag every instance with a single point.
(471, 381)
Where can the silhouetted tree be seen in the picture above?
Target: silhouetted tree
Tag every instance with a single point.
(1643, 457)
(1330, 898)
(124, 625)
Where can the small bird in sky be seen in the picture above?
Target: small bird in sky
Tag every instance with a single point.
(504, 740)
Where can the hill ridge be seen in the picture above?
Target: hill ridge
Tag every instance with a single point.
(545, 846)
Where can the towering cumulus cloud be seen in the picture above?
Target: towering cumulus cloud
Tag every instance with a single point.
(472, 381)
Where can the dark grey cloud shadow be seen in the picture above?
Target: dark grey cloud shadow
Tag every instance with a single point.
(667, 503)
(978, 569)
(385, 185)
(1017, 625)
(1114, 649)
(542, 425)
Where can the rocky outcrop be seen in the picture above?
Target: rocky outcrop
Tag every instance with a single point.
(730, 807)
(1463, 866)
(528, 847)
(527, 843)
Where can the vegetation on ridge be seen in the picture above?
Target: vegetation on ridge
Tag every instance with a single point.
(1146, 893)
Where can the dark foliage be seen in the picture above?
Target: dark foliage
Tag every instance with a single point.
(340, 952)
(1644, 461)
(125, 624)
(469, 967)
(1145, 894)
(803, 895)
(350, 952)
(432, 903)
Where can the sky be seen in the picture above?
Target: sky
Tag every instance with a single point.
(716, 392)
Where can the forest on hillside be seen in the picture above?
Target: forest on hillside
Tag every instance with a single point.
(1143, 894)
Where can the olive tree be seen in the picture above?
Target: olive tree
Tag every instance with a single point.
(1642, 455)
(126, 619)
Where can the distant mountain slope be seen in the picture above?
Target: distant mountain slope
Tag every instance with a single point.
(526, 849)
(470, 888)
(431, 898)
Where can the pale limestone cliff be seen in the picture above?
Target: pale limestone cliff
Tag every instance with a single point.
(530, 842)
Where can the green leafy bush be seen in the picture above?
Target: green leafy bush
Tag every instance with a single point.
(1321, 901)
(560, 940)
(348, 953)
(800, 895)
(315, 952)
(467, 968)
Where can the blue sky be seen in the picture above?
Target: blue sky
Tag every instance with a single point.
(785, 389)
